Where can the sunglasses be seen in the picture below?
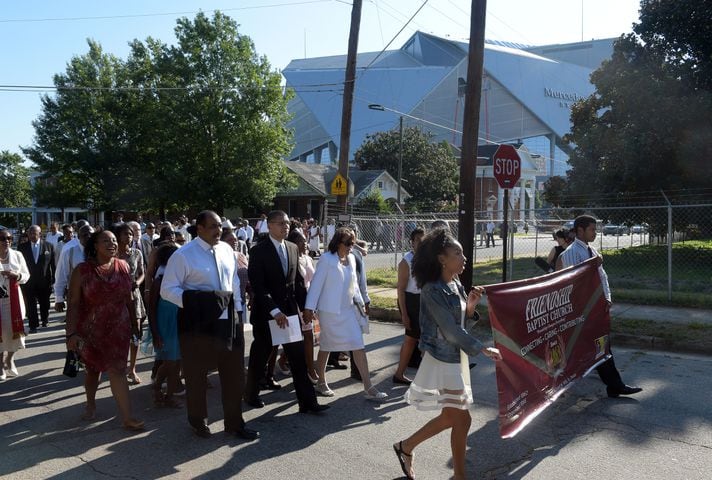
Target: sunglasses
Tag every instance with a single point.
(349, 243)
(5, 239)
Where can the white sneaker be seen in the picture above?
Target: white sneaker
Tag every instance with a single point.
(12, 370)
(374, 395)
(2, 374)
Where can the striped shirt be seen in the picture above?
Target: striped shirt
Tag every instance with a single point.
(579, 252)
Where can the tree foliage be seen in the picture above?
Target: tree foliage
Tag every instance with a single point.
(647, 127)
(430, 170)
(374, 202)
(14, 181)
(199, 124)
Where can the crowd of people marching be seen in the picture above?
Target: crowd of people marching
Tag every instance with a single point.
(188, 288)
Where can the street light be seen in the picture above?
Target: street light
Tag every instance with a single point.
(381, 108)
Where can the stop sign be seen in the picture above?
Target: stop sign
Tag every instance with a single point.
(507, 166)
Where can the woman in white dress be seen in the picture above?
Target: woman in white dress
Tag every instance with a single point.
(447, 313)
(335, 294)
(13, 273)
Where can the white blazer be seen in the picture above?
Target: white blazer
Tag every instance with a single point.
(327, 286)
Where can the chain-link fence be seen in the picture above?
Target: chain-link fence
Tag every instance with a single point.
(660, 250)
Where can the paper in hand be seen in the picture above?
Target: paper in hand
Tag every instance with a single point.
(291, 334)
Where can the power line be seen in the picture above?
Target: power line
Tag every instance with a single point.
(142, 15)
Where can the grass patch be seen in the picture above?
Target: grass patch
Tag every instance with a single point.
(385, 303)
(382, 277)
(691, 335)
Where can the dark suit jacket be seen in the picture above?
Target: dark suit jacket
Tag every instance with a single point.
(270, 287)
(42, 272)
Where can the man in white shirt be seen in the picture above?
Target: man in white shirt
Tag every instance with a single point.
(199, 276)
(183, 228)
(72, 255)
(262, 228)
(490, 233)
(249, 233)
(53, 235)
(578, 252)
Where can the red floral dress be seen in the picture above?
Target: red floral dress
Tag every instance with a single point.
(104, 322)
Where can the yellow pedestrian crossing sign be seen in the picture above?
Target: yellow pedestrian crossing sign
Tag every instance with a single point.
(339, 186)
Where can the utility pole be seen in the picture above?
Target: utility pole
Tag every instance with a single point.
(349, 80)
(470, 133)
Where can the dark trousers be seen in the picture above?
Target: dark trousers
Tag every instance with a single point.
(609, 373)
(202, 353)
(490, 238)
(259, 353)
(33, 294)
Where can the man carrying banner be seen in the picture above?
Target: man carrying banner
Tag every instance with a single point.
(578, 252)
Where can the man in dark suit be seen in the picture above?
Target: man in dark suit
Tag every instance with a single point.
(272, 271)
(39, 256)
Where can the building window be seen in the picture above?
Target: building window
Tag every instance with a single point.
(380, 185)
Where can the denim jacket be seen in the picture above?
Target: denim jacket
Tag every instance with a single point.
(440, 311)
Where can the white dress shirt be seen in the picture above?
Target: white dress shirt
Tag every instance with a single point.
(250, 232)
(72, 255)
(578, 252)
(193, 267)
(53, 238)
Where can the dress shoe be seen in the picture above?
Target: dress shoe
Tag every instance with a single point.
(11, 369)
(3, 375)
(315, 409)
(269, 384)
(255, 402)
(323, 390)
(44, 324)
(624, 390)
(33, 330)
(201, 429)
(337, 366)
(245, 433)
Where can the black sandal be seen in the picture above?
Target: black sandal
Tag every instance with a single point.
(398, 448)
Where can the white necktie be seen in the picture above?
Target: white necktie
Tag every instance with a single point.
(36, 251)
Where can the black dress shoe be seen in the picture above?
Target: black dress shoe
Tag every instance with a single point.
(245, 433)
(201, 429)
(44, 324)
(337, 366)
(315, 409)
(255, 402)
(269, 384)
(624, 390)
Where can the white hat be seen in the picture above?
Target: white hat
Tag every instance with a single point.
(228, 224)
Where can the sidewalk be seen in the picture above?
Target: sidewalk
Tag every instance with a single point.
(679, 316)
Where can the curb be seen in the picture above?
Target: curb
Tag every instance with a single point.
(643, 342)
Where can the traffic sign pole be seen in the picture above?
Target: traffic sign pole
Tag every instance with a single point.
(505, 235)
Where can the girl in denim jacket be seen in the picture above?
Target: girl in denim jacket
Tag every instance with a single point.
(447, 313)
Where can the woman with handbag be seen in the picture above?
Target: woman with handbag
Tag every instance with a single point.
(442, 383)
(335, 294)
(13, 273)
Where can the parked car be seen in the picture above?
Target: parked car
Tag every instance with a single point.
(612, 229)
(639, 228)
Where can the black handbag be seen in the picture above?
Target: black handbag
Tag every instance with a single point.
(71, 364)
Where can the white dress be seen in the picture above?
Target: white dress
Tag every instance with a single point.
(341, 332)
(314, 239)
(440, 384)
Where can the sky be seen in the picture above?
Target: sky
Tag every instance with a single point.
(39, 37)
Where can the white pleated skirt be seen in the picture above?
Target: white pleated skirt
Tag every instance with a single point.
(439, 384)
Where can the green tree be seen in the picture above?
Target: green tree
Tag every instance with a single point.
(14, 185)
(200, 124)
(373, 202)
(555, 190)
(430, 170)
(647, 127)
(80, 134)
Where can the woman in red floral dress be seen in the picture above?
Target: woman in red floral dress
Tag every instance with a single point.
(100, 319)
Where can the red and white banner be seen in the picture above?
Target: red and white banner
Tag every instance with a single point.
(551, 330)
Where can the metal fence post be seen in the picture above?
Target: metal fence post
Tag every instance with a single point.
(669, 245)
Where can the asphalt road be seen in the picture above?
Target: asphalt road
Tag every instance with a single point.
(523, 246)
(663, 433)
